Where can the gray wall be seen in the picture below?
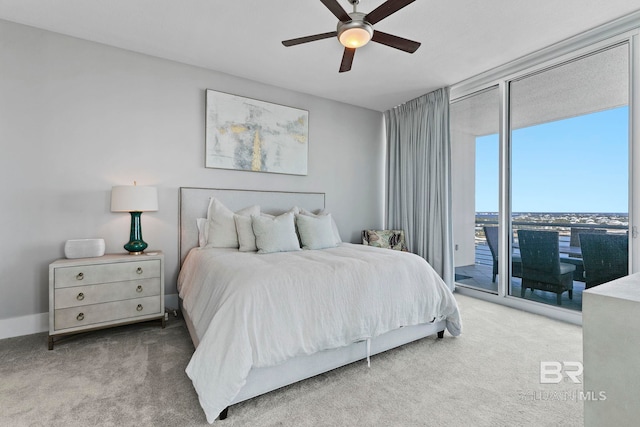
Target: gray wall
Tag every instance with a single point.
(77, 117)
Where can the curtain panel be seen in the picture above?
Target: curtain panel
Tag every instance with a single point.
(419, 178)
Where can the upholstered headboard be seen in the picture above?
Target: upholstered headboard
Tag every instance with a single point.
(195, 201)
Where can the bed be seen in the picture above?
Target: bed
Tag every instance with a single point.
(263, 321)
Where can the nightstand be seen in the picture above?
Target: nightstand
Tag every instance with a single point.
(95, 293)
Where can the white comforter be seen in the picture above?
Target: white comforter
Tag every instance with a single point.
(256, 310)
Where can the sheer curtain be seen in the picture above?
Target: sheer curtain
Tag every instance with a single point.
(419, 173)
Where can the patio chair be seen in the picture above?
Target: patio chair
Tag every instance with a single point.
(491, 234)
(541, 266)
(605, 257)
(574, 240)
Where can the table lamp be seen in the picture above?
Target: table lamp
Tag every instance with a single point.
(134, 199)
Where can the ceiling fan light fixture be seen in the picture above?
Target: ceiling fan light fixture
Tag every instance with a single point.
(355, 29)
(354, 34)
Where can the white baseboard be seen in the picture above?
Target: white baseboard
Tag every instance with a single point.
(24, 325)
(36, 323)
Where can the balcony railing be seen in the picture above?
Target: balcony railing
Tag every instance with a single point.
(483, 253)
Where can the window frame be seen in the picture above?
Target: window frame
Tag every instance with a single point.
(624, 30)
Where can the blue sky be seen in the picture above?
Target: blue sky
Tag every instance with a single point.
(573, 165)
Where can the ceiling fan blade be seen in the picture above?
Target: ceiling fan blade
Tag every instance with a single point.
(385, 9)
(336, 9)
(308, 39)
(347, 59)
(390, 40)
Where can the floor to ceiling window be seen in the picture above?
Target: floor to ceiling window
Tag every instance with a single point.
(558, 165)
(474, 133)
(569, 173)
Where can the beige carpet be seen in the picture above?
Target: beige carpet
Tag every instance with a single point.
(134, 376)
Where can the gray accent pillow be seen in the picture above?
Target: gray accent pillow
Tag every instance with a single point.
(336, 233)
(222, 231)
(316, 232)
(275, 234)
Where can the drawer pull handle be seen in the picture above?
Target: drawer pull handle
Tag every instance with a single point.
(80, 276)
(80, 317)
(80, 296)
(139, 288)
(139, 307)
(139, 270)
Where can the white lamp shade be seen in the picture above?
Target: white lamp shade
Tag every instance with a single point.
(134, 198)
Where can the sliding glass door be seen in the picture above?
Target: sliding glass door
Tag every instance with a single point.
(544, 157)
(569, 171)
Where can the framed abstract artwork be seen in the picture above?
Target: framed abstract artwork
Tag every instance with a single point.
(252, 135)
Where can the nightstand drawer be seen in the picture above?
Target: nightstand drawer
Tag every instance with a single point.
(107, 312)
(94, 294)
(105, 273)
(101, 292)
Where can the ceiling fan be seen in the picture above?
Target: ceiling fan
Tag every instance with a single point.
(356, 29)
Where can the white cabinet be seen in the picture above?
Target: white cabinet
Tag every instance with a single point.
(111, 290)
(611, 350)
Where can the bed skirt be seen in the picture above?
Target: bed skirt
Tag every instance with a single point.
(266, 379)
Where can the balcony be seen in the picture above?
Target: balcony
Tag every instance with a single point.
(479, 274)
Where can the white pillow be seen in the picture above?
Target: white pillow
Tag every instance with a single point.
(334, 227)
(222, 231)
(203, 229)
(246, 238)
(275, 234)
(294, 210)
(316, 232)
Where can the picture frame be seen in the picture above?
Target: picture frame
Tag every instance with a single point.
(253, 135)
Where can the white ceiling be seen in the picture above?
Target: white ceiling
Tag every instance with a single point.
(459, 38)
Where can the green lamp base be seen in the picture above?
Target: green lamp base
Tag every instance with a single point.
(136, 245)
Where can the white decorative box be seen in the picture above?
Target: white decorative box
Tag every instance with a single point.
(84, 248)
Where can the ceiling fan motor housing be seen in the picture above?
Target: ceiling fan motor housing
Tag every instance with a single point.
(357, 22)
